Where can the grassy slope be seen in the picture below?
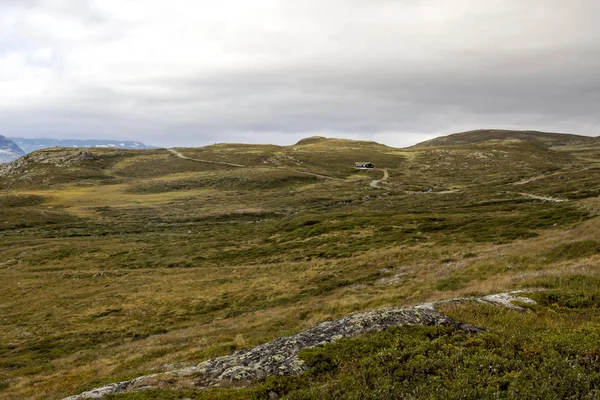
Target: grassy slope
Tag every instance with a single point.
(127, 262)
(547, 139)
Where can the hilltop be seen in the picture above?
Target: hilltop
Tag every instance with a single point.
(546, 139)
(160, 261)
(9, 151)
(337, 143)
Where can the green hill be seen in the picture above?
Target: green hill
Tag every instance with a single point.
(545, 139)
(117, 263)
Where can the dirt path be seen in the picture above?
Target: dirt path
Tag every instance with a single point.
(178, 154)
(432, 192)
(554, 174)
(375, 183)
(319, 176)
(532, 179)
(550, 199)
(536, 178)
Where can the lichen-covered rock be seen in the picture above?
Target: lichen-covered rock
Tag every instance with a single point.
(280, 357)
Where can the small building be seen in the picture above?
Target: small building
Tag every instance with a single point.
(364, 165)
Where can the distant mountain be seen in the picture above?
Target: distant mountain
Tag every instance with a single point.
(9, 151)
(30, 145)
(546, 139)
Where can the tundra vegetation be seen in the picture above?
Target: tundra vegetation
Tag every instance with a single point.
(120, 263)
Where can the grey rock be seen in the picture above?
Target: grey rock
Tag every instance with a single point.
(280, 357)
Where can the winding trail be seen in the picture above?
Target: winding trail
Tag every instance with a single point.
(319, 176)
(178, 154)
(375, 183)
(552, 175)
(528, 180)
(431, 192)
(280, 357)
(544, 198)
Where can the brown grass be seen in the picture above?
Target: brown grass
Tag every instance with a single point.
(103, 281)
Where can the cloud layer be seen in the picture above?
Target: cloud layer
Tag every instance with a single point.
(193, 72)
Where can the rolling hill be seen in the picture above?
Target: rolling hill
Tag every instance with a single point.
(157, 262)
(545, 139)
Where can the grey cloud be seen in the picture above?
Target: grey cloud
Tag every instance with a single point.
(513, 64)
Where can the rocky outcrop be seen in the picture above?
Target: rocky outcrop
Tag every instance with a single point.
(58, 158)
(280, 357)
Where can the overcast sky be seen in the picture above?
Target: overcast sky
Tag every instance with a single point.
(195, 72)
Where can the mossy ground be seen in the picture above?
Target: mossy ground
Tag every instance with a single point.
(133, 261)
(550, 352)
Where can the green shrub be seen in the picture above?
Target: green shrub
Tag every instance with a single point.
(453, 283)
(574, 250)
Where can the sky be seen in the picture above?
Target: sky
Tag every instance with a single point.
(197, 72)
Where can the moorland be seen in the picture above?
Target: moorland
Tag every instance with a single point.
(118, 263)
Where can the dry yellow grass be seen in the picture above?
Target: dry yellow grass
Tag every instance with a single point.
(162, 261)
